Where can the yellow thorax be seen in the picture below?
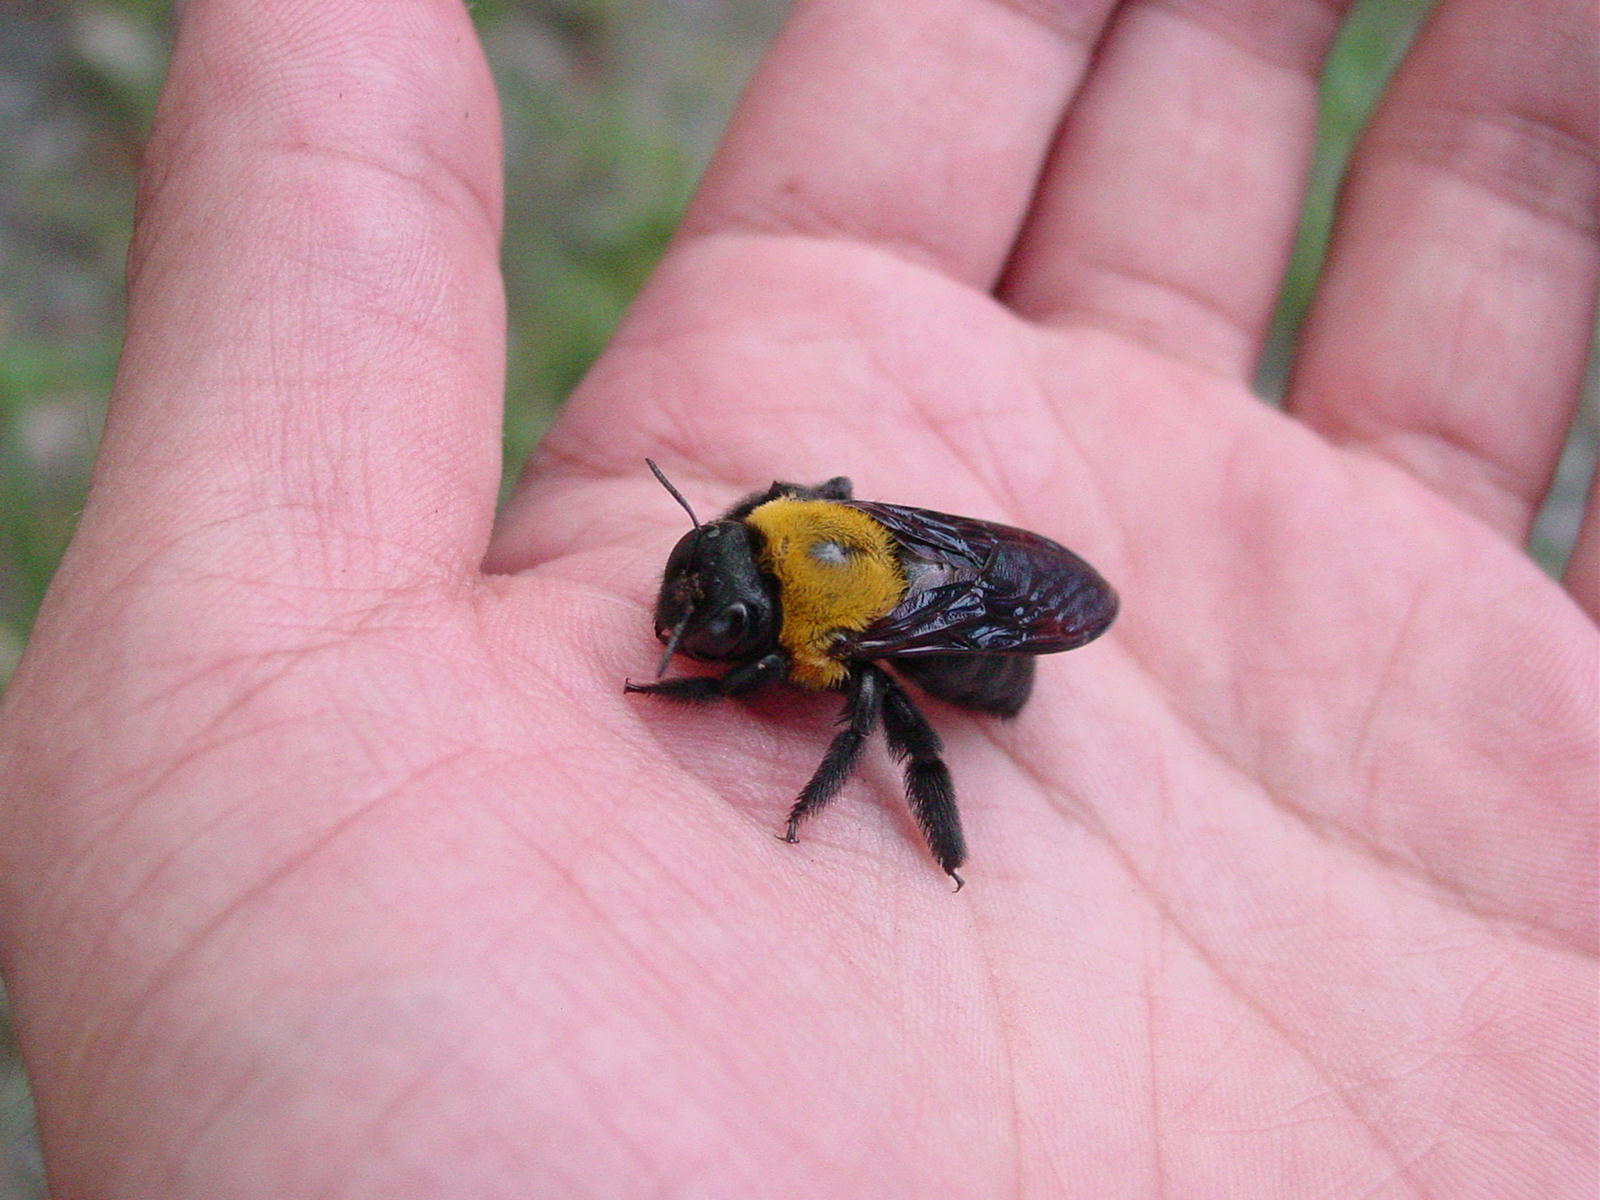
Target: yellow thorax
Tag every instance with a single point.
(836, 570)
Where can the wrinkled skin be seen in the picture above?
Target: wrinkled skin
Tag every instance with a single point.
(336, 862)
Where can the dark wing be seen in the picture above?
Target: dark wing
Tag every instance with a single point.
(977, 587)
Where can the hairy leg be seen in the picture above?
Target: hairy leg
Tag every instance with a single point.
(744, 678)
(863, 706)
(928, 788)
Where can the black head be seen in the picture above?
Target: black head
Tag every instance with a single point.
(715, 603)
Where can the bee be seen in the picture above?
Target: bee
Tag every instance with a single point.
(809, 585)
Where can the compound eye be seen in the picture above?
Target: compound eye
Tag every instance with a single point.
(731, 622)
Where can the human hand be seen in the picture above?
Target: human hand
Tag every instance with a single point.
(335, 864)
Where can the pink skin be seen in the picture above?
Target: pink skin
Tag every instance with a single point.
(335, 864)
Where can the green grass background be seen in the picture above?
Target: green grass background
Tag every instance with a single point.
(611, 108)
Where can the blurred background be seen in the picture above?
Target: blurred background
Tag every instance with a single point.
(611, 109)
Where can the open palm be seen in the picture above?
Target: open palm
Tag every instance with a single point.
(337, 864)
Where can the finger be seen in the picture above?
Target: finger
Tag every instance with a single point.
(1451, 328)
(918, 128)
(1169, 208)
(312, 366)
(1583, 565)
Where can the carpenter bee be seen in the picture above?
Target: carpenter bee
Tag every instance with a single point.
(810, 585)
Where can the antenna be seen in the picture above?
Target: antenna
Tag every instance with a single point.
(675, 493)
(672, 645)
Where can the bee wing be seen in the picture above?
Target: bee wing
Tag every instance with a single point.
(977, 587)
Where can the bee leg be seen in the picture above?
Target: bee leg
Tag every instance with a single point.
(837, 488)
(928, 788)
(863, 705)
(746, 677)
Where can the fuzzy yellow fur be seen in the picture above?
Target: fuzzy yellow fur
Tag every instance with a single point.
(836, 571)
